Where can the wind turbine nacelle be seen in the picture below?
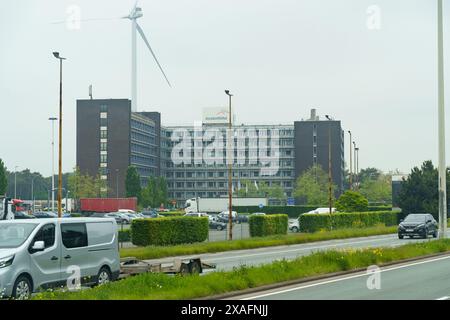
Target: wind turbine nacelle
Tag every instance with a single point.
(137, 13)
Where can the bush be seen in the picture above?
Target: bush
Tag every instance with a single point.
(318, 222)
(125, 235)
(267, 225)
(169, 230)
(291, 211)
(351, 201)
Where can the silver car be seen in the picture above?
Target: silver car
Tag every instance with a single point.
(46, 253)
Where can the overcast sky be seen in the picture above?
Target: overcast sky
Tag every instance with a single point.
(280, 58)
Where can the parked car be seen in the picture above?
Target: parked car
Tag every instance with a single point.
(321, 211)
(196, 214)
(217, 225)
(151, 214)
(418, 224)
(294, 225)
(119, 219)
(23, 215)
(38, 253)
(45, 214)
(224, 216)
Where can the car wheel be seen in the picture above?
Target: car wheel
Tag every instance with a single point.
(22, 288)
(435, 234)
(425, 234)
(194, 267)
(400, 236)
(104, 276)
(219, 228)
(184, 269)
(294, 229)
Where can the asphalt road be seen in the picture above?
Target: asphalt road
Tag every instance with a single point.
(425, 279)
(229, 260)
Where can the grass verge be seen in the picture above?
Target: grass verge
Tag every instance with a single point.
(161, 286)
(154, 252)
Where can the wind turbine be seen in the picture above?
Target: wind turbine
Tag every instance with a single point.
(135, 14)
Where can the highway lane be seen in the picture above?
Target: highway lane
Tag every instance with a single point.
(251, 257)
(425, 279)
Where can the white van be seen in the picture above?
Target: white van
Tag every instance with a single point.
(39, 254)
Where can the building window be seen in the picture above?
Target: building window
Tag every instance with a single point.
(103, 146)
(103, 134)
(103, 108)
(103, 122)
(103, 158)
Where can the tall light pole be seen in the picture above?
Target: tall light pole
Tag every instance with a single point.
(117, 183)
(32, 191)
(354, 163)
(57, 56)
(330, 201)
(15, 182)
(441, 129)
(351, 172)
(53, 119)
(357, 167)
(230, 169)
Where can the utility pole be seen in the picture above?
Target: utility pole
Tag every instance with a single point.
(357, 167)
(354, 164)
(330, 199)
(441, 129)
(15, 182)
(53, 119)
(351, 172)
(230, 169)
(57, 56)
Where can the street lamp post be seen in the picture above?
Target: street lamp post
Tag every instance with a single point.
(357, 166)
(117, 183)
(57, 56)
(53, 119)
(441, 129)
(354, 163)
(230, 169)
(351, 172)
(15, 182)
(330, 201)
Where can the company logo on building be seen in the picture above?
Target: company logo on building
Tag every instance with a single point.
(215, 115)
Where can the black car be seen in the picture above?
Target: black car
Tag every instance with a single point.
(217, 225)
(418, 224)
(23, 215)
(43, 215)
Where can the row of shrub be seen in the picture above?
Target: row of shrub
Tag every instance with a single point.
(169, 231)
(326, 222)
(261, 226)
(295, 211)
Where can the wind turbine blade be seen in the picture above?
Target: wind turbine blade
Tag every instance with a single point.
(138, 27)
(87, 20)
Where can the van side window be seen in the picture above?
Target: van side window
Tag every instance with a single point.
(74, 235)
(46, 234)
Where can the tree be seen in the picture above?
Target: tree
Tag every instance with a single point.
(147, 195)
(419, 192)
(312, 186)
(368, 174)
(352, 201)
(85, 186)
(377, 190)
(3, 178)
(133, 183)
(163, 192)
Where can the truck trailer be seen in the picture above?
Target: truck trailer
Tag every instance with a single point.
(88, 205)
(217, 205)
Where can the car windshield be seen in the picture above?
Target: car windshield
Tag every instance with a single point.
(13, 235)
(415, 218)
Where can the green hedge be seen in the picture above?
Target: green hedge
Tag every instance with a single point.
(169, 231)
(319, 222)
(291, 211)
(261, 226)
(125, 235)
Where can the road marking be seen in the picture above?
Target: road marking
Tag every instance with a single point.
(296, 249)
(345, 278)
(443, 298)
